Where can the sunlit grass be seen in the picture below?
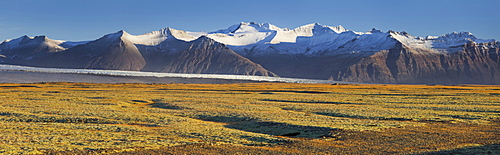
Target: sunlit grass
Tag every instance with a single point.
(65, 116)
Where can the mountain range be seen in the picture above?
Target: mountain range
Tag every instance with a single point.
(311, 51)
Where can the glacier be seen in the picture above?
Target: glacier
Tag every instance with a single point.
(162, 75)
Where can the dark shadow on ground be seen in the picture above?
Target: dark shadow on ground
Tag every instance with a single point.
(360, 117)
(417, 95)
(20, 86)
(166, 106)
(313, 102)
(486, 149)
(256, 91)
(272, 128)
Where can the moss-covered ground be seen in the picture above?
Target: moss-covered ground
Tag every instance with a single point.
(248, 118)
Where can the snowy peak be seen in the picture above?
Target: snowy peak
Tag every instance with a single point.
(205, 42)
(10, 43)
(170, 32)
(31, 41)
(448, 43)
(249, 28)
(27, 40)
(338, 29)
(156, 37)
(456, 36)
(113, 36)
(318, 29)
(152, 38)
(36, 39)
(322, 29)
(374, 30)
(204, 39)
(244, 34)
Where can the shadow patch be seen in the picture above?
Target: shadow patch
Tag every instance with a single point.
(272, 128)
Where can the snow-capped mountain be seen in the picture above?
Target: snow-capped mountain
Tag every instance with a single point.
(314, 39)
(310, 51)
(28, 47)
(157, 37)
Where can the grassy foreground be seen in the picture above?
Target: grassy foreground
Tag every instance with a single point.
(249, 118)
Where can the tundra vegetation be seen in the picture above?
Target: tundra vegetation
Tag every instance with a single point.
(269, 118)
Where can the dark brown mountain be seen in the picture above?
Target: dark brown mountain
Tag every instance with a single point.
(112, 52)
(476, 63)
(207, 56)
(22, 50)
(117, 52)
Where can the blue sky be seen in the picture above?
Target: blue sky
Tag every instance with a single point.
(77, 20)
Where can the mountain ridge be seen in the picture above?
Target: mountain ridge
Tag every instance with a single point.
(311, 51)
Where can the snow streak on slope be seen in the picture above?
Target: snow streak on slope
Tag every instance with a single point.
(161, 75)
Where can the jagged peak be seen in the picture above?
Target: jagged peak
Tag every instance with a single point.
(15, 41)
(374, 30)
(402, 33)
(166, 31)
(115, 35)
(230, 29)
(244, 27)
(43, 38)
(36, 39)
(121, 32)
(26, 39)
(309, 26)
(204, 42)
(203, 38)
(455, 36)
(339, 29)
(322, 28)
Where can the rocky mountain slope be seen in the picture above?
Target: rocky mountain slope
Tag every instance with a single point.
(311, 51)
(158, 51)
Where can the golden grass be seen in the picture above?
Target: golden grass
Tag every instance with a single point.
(35, 118)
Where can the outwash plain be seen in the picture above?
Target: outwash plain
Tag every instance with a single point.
(248, 118)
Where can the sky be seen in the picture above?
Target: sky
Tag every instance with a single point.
(81, 20)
